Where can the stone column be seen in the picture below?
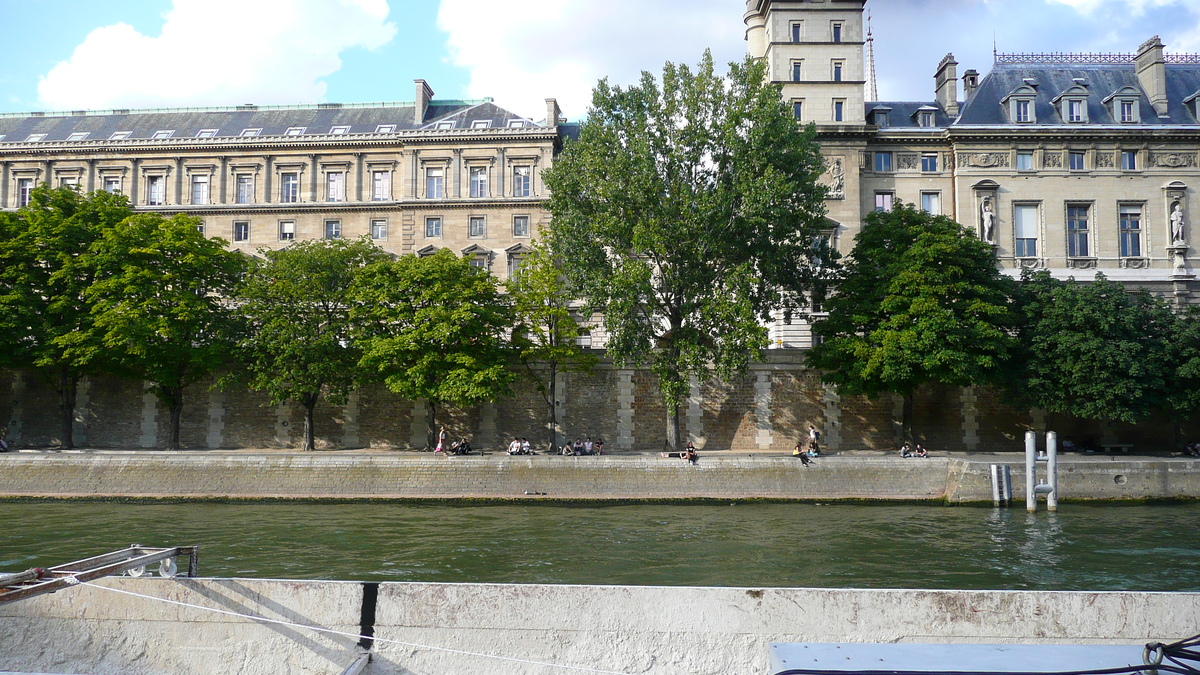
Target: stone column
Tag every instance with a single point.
(458, 167)
(560, 406)
(283, 423)
(149, 437)
(501, 173)
(762, 410)
(80, 424)
(970, 417)
(833, 418)
(135, 179)
(416, 435)
(91, 175)
(350, 426)
(4, 180)
(625, 401)
(897, 419)
(695, 412)
(267, 174)
(312, 180)
(179, 181)
(18, 407)
(215, 437)
(222, 192)
(487, 426)
(358, 177)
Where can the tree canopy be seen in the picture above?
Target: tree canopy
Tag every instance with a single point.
(686, 212)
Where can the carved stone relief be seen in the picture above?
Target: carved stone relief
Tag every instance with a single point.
(1081, 263)
(1135, 263)
(835, 170)
(1104, 160)
(1173, 160)
(1052, 160)
(908, 161)
(984, 160)
(1029, 263)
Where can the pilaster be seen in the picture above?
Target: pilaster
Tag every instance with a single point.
(832, 434)
(625, 401)
(149, 436)
(79, 424)
(215, 437)
(15, 420)
(350, 426)
(970, 418)
(560, 406)
(487, 426)
(695, 412)
(283, 424)
(762, 410)
(416, 430)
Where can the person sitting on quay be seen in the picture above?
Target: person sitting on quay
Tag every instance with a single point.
(906, 450)
(800, 452)
(526, 448)
(689, 453)
(577, 447)
(514, 448)
(588, 446)
(921, 451)
(600, 446)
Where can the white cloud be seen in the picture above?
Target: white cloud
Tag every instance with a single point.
(563, 48)
(1136, 6)
(218, 52)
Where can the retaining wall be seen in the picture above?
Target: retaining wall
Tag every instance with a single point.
(644, 630)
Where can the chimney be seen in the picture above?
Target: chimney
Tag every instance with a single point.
(553, 112)
(947, 85)
(424, 95)
(970, 81)
(1152, 73)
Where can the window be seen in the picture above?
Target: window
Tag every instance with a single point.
(119, 135)
(112, 184)
(837, 32)
(433, 227)
(522, 181)
(1075, 161)
(163, 133)
(1131, 231)
(333, 229)
(448, 124)
(339, 130)
(287, 230)
(1075, 111)
(520, 226)
(381, 186)
(289, 187)
(481, 124)
(883, 162)
(926, 119)
(1024, 161)
(200, 227)
(476, 226)
(1022, 108)
(479, 260)
(335, 186)
(1127, 112)
(837, 70)
(515, 262)
(379, 230)
(435, 182)
(200, 189)
(3, 136)
(1077, 231)
(516, 124)
(385, 128)
(798, 109)
(931, 202)
(1025, 222)
(883, 201)
(1129, 160)
(881, 119)
(929, 162)
(24, 189)
(241, 231)
(797, 71)
(797, 31)
(839, 111)
(156, 192)
(251, 132)
(294, 131)
(206, 133)
(479, 182)
(68, 181)
(33, 138)
(245, 189)
(80, 136)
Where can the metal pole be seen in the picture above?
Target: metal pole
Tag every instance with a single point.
(1052, 470)
(996, 485)
(1030, 471)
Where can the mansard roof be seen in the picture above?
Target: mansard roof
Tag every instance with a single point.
(231, 122)
(903, 114)
(985, 106)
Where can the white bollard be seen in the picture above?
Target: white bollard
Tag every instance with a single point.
(1031, 472)
(1052, 470)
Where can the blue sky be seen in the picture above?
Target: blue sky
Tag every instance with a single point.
(73, 54)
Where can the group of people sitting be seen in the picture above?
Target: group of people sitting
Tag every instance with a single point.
(584, 447)
(520, 446)
(459, 447)
(907, 450)
(1192, 449)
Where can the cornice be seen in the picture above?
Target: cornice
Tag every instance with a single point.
(344, 207)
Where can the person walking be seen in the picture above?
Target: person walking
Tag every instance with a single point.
(814, 448)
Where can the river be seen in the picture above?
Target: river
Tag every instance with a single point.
(1082, 547)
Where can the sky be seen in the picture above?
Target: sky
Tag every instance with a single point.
(100, 54)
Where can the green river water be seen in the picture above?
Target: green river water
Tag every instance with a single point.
(1082, 547)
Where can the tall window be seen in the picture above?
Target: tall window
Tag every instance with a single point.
(333, 229)
(335, 187)
(929, 162)
(839, 111)
(883, 162)
(1023, 111)
(837, 32)
(837, 70)
(798, 109)
(1075, 161)
(381, 186)
(24, 188)
(478, 182)
(287, 230)
(883, 201)
(156, 192)
(1131, 231)
(797, 31)
(797, 70)
(200, 189)
(1074, 111)
(476, 226)
(522, 181)
(927, 119)
(931, 203)
(435, 182)
(241, 231)
(1077, 231)
(1025, 222)
(515, 261)
(379, 230)
(433, 227)
(1129, 160)
(1127, 112)
(520, 226)
(289, 184)
(1025, 161)
(112, 184)
(245, 189)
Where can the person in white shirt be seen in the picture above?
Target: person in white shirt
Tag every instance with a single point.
(526, 449)
(514, 447)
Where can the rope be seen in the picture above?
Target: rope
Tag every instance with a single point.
(318, 629)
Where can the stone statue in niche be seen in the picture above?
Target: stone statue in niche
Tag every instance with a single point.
(987, 221)
(837, 178)
(1178, 224)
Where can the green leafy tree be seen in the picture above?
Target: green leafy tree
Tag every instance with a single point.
(920, 300)
(1184, 381)
(433, 328)
(1093, 350)
(296, 306)
(158, 303)
(546, 335)
(45, 311)
(686, 212)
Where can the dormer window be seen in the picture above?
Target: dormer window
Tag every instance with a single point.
(925, 116)
(1022, 109)
(1125, 105)
(1075, 111)
(1020, 104)
(1072, 104)
(881, 119)
(1193, 105)
(926, 119)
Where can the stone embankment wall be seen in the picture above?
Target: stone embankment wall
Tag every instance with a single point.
(202, 475)
(650, 631)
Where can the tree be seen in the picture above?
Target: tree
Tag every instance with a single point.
(296, 304)
(159, 303)
(433, 328)
(546, 335)
(686, 213)
(1183, 383)
(44, 274)
(920, 300)
(1093, 350)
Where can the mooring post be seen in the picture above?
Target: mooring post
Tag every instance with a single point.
(1052, 470)
(1030, 471)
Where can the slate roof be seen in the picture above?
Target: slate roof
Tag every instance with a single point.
(271, 120)
(985, 107)
(903, 114)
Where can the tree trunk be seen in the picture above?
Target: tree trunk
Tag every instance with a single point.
(174, 409)
(68, 385)
(907, 418)
(552, 405)
(310, 404)
(673, 427)
(431, 425)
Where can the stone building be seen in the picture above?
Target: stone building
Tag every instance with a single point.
(415, 177)
(1072, 163)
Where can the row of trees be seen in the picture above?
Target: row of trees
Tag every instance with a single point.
(89, 287)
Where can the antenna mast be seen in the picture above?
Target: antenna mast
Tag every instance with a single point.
(872, 86)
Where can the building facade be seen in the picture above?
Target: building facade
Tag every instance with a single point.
(1076, 164)
(414, 177)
